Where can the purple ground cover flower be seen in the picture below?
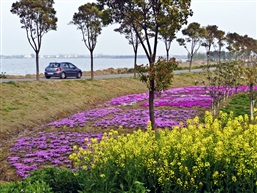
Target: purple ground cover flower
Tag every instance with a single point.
(107, 115)
(192, 96)
(29, 154)
(80, 119)
(140, 117)
(127, 100)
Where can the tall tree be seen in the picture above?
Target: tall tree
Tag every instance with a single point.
(88, 20)
(248, 47)
(220, 36)
(152, 16)
(233, 41)
(168, 34)
(133, 39)
(37, 18)
(193, 33)
(250, 72)
(208, 36)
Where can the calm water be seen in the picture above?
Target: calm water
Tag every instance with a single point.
(28, 66)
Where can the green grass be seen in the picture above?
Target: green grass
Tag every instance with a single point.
(239, 104)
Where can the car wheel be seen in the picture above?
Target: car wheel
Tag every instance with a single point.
(47, 77)
(63, 75)
(79, 75)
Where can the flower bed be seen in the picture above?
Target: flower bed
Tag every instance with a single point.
(113, 114)
(53, 148)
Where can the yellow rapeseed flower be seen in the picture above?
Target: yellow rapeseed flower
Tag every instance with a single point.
(102, 175)
(234, 178)
(215, 175)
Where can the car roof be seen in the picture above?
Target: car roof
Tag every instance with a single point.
(58, 62)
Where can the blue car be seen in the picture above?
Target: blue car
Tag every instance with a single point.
(62, 70)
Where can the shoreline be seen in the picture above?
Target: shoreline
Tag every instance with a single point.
(107, 71)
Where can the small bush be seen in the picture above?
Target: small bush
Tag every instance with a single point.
(60, 180)
(26, 187)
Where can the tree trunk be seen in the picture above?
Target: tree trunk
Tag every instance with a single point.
(208, 59)
(190, 62)
(92, 64)
(151, 104)
(135, 64)
(251, 101)
(219, 54)
(167, 54)
(151, 93)
(37, 66)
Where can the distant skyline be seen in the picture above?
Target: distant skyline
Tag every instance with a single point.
(228, 15)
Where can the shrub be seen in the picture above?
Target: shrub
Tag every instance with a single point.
(26, 187)
(60, 180)
(219, 155)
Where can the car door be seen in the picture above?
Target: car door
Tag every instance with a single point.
(67, 69)
(73, 69)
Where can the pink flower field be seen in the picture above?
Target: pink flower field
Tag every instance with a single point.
(173, 107)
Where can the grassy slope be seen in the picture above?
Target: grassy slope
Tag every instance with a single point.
(27, 105)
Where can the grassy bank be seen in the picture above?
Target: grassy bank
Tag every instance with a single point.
(29, 104)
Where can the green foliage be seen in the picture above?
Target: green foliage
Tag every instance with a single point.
(239, 104)
(208, 35)
(226, 75)
(12, 83)
(241, 47)
(88, 20)
(193, 33)
(37, 17)
(26, 187)
(60, 180)
(48, 180)
(150, 21)
(250, 77)
(161, 72)
(218, 155)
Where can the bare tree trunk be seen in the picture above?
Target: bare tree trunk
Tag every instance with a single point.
(92, 64)
(135, 64)
(208, 59)
(151, 104)
(167, 54)
(37, 65)
(251, 101)
(190, 62)
(219, 54)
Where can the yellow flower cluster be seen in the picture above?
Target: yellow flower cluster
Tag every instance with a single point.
(218, 152)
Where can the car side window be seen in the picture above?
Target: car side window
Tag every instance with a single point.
(54, 65)
(65, 65)
(72, 66)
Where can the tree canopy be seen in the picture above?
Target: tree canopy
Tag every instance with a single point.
(193, 34)
(37, 18)
(88, 20)
(149, 20)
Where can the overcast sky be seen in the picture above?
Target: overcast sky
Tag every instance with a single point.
(228, 15)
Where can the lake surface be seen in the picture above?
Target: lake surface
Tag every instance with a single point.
(13, 66)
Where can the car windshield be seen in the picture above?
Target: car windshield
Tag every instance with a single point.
(54, 65)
